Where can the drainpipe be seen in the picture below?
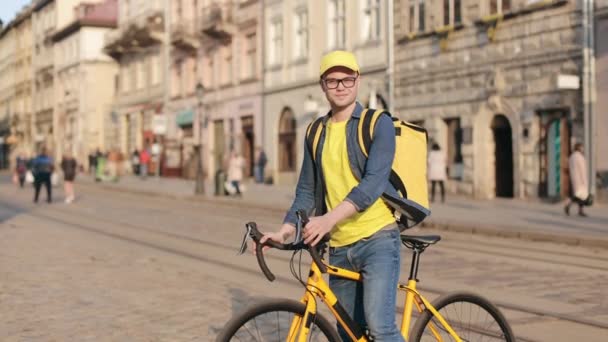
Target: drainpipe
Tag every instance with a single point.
(390, 55)
(167, 64)
(589, 93)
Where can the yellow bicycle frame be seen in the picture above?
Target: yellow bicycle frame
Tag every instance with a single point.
(316, 286)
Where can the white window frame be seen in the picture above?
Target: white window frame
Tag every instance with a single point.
(275, 47)
(499, 5)
(451, 12)
(371, 23)
(415, 7)
(336, 35)
(301, 33)
(250, 65)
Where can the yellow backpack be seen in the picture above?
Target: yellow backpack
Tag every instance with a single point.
(408, 174)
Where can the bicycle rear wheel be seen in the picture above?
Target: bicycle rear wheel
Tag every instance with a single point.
(472, 317)
(270, 321)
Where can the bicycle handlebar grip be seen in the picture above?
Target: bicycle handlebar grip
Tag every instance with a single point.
(260, 256)
(256, 235)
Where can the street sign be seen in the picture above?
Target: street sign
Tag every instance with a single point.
(159, 124)
(568, 81)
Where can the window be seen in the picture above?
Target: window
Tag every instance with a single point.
(301, 27)
(452, 12)
(227, 67)
(417, 16)
(337, 27)
(249, 66)
(140, 74)
(499, 6)
(155, 61)
(124, 79)
(370, 25)
(276, 42)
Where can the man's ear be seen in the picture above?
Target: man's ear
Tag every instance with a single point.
(322, 84)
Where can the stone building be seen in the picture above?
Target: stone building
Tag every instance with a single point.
(297, 34)
(84, 80)
(497, 85)
(138, 46)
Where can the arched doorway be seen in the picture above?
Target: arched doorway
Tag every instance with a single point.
(287, 141)
(503, 153)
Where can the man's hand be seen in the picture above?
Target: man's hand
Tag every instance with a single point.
(280, 236)
(316, 229)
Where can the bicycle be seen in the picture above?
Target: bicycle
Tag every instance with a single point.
(442, 320)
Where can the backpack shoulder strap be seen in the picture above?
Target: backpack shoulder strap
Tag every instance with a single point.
(365, 131)
(313, 132)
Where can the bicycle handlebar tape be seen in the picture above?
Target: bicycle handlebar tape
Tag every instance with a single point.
(260, 256)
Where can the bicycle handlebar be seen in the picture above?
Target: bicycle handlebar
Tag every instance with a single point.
(256, 235)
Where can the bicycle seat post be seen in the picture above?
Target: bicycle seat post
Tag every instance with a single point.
(415, 261)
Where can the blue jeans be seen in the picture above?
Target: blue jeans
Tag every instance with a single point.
(370, 303)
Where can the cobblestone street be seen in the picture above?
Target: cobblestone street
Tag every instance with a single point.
(124, 267)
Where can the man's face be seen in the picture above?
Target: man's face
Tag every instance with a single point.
(340, 85)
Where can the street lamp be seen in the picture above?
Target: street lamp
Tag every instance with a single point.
(200, 180)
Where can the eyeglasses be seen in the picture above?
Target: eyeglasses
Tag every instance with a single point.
(333, 83)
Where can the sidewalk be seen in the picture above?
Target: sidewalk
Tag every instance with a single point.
(531, 220)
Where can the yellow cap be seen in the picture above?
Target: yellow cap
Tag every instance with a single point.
(338, 58)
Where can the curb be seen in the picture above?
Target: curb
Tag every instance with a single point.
(485, 230)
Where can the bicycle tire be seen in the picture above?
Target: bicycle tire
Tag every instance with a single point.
(449, 304)
(237, 329)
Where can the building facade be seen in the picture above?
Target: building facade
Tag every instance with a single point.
(297, 34)
(7, 91)
(230, 68)
(497, 85)
(85, 80)
(138, 46)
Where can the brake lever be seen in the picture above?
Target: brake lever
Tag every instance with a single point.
(247, 235)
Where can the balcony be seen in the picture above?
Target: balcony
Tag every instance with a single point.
(185, 36)
(218, 22)
(146, 29)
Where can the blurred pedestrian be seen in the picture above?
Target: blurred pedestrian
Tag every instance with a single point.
(135, 162)
(113, 161)
(437, 170)
(42, 168)
(21, 169)
(100, 166)
(579, 193)
(69, 167)
(144, 160)
(260, 165)
(236, 163)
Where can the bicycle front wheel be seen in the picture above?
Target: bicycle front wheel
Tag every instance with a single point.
(472, 317)
(270, 322)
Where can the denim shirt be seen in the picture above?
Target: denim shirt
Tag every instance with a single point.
(372, 172)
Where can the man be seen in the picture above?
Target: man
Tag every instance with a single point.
(260, 165)
(42, 168)
(364, 236)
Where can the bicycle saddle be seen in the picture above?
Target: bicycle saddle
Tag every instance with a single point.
(420, 239)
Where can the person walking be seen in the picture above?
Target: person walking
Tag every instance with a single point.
(437, 171)
(579, 193)
(260, 165)
(364, 236)
(135, 162)
(69, 167)
(236, 164)
(42, 168)
(144, 160)
(21, 169)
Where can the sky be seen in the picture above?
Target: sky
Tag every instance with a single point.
(8, 9)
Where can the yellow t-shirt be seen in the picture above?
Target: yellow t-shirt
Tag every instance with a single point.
(339, 181)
